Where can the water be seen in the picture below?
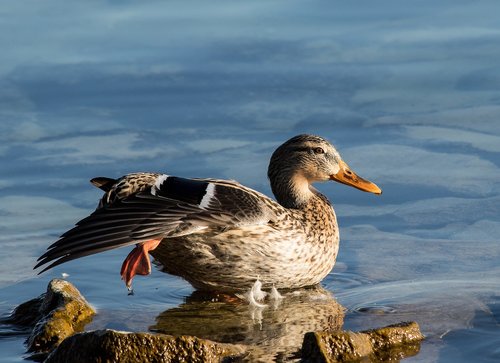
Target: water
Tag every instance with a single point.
(407, 92)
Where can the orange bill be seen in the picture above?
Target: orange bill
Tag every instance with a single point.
(346, 176)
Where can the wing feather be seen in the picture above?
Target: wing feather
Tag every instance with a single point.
(156, 213)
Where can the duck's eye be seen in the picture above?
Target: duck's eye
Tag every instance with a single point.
(318, 150)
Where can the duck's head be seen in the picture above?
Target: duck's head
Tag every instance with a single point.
(305, 159)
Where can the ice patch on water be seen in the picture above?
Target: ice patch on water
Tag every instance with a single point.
(415, 166)
(28, 225)
(428, 211)
(476, 232)
(479, 118)
(433, 211)
(422, 300)
(215, 145)
(440, 135)
(432, 34)
(251, 172)
(42, 213)
(104, 149)
(411, 254)
(29, 131)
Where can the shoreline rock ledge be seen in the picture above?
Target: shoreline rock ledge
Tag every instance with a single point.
(54, 316)
(116, 346)
(392, 342)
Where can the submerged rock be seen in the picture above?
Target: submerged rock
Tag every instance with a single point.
(392, 342)
(54, 315)
(26, 314)
(115, 346)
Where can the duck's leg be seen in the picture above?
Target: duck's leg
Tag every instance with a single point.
(138, 262)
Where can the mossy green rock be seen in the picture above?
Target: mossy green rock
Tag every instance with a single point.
(57, 314)
(114, 346)
(401, 339)
(392, 342)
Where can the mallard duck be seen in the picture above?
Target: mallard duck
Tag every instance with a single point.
(218, 234)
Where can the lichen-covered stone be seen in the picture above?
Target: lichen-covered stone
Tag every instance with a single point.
(391, 335)
(113, 346)
(388, 343)
(57, 314)
(335, 347)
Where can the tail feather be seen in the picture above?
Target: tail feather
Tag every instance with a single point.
(103, 183)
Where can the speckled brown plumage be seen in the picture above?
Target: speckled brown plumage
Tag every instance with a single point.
(297, 249)
(218, 234)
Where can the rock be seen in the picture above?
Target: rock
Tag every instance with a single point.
(54, 315)
(114, 346)
(63, 312)
(393, 335)
(392, 342)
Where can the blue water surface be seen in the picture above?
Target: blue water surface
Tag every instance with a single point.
(407, 91)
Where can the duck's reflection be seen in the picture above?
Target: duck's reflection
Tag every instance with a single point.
(274, 332)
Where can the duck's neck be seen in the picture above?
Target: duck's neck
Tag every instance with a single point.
(291, 190)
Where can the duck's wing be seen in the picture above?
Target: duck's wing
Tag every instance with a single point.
(168, 207)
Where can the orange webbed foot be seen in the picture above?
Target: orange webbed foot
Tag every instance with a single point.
(138, 262)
